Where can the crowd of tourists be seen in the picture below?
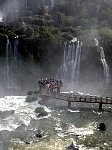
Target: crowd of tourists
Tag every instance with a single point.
(49, 83)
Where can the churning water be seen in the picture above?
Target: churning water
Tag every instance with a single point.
(62, 126)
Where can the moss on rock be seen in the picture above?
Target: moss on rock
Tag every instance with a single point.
(31, 98)
(39, 109)
(41, 112)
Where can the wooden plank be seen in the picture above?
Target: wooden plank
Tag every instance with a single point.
(77, 98)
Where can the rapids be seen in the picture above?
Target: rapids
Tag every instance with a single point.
(62, 126)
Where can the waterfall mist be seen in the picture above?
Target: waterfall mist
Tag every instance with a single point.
(84, 67)
(18, 74)
(69, 71)
(1, 16)
(11, 9)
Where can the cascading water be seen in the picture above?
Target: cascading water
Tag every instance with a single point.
(105, 66)
(43, 2)
(11, 64)
(104, 62)
(1, 17)
(52, 3)
(76, 64)
(16, 55)
(69, 71)
(8, 49)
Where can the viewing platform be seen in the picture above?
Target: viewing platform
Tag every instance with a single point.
(51, 88)
(50, 85)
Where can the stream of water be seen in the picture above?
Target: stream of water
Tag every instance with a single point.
(70, 69)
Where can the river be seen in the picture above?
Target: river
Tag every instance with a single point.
(62, 126)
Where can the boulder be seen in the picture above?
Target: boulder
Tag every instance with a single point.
(31, 98)
(102, 127)
(72, 147)
(39, 133)
(30, 93)
(39, 109)
(41, 112)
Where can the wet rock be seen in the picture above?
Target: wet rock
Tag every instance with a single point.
(31, 98)
(37, 92)
(5, 114)
(72, 147)
(41, 112)
(20, 132)
(30, 93)
(27, 142)
(24, 134)
(102, 127)
(5, 137)
(1, 146)
(39, 133)
(39, 109)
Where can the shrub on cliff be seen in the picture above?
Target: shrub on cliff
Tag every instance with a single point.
(29, 31)
(45, 33)
(106, 38)
(106, 33)
(5, 30)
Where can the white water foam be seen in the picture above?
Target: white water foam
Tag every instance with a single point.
(72, 129)
(22, 112)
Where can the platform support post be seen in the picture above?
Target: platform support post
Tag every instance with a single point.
(69, 104)
(100, 106)
(58, 89)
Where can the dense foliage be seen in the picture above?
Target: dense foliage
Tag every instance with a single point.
(35, 27)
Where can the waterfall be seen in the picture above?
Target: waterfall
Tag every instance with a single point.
(104, 63)
(26, 4)
(11, 64)
(52, 3)
(105, 66)
(16, 60)
(1, 17)
(16, 54)
(76, 64)
(7, 62)
(69, 71)
(43, 2)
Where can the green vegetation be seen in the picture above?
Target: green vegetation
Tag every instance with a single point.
(85, 19)
(41, 112)
(31, 98)
(39, 109)
(6, 30)
(30, 93)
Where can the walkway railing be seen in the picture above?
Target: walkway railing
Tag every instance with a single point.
(49, 91)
